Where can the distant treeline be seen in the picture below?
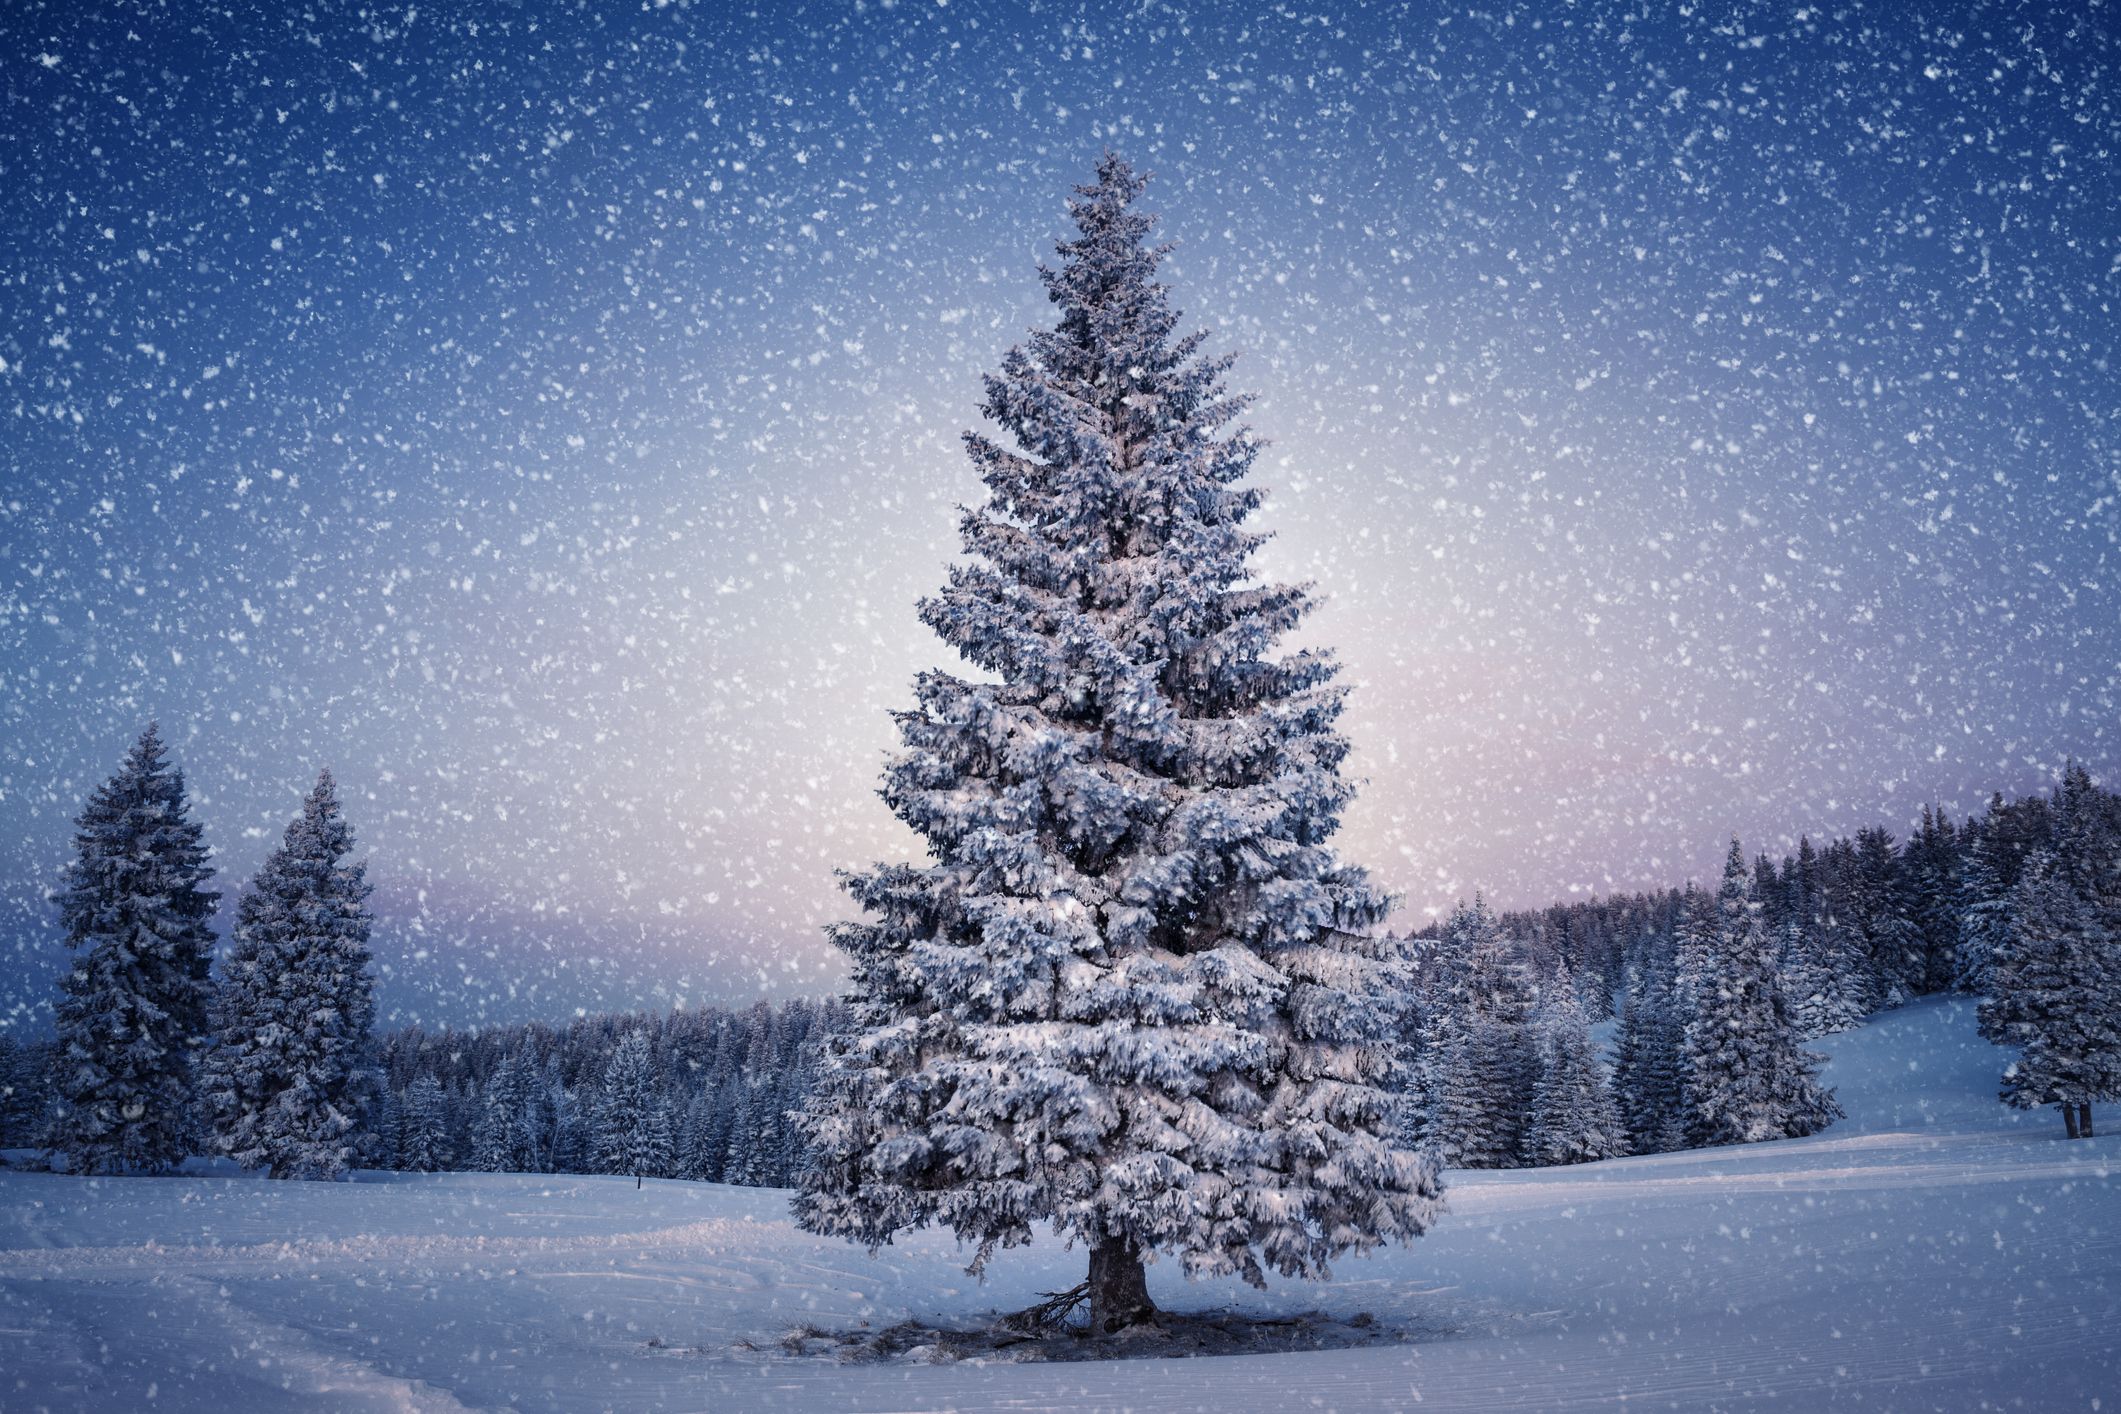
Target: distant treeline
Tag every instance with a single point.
(1500, 1068)
(1720, 986)
(701, 1094)
(1895, 913)
(536, 1098)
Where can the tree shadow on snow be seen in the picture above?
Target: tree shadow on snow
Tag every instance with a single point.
(1172, 1335)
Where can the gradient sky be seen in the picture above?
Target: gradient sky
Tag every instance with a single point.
(547, 417)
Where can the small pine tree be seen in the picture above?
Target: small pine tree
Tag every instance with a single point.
(1985, 924)
(633, 1123)
(1480, 1058)
(505, 1138)
(1898, 958)
(1574, 1119)
(289, 1078)
(132, 1011)
(2055, 984)
(565, 1141)
(740, 1159)
(1694, 946)
(1648, 1083)
(423, 1145)
(756, 1161)
(493, 1138)
(1648, 1076)
(1931, 867)
(18, 1092)
(714, 1140)
(658, 1145)
(388, 1134)
(1837, 972)
(691, 1159)
(1747, 1078)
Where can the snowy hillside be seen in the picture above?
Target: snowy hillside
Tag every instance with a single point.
(1932, 1251)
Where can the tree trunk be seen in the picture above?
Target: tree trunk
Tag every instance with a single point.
(2084, 1120)
(1119, 1287)
(2069, 1118)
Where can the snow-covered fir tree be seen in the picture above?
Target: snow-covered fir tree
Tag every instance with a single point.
(1133, 993)
(132, 1010)
(21, 1092)
(745, 1159)
(1883, 910)
(791, 1090)
(1747, 1078)
(2055, 982)
(710, 1143)
(423, 1140)
(1648, 1061)
(492, 1135)
(1431, 1013)
(1931, 867)
(1824, 970)
(694, 1155)
(655, 1153)
(1479, 1058)
(1837, 974)
(1797, 941)
(1984, 914)
(506, 1137)
(290, 1079)
(387, 1132)
(1574, 1119)
(633, 1120)
(1695, 941)
(565, 1137)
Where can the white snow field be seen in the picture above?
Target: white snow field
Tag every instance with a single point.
(1934, 1251)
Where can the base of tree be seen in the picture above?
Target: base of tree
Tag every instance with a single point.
(1171, 1336)
(1118, 1286)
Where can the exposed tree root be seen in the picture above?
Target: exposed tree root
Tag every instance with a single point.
(1050, 1314)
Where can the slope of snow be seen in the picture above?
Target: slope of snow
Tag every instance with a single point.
(1932, 1251)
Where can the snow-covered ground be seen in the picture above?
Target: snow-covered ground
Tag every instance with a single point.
(1932, 1251)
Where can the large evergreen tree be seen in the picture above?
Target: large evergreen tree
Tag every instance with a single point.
(132, 1010)
(1132, 993)
(1747, 1077)
(290, 1078)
